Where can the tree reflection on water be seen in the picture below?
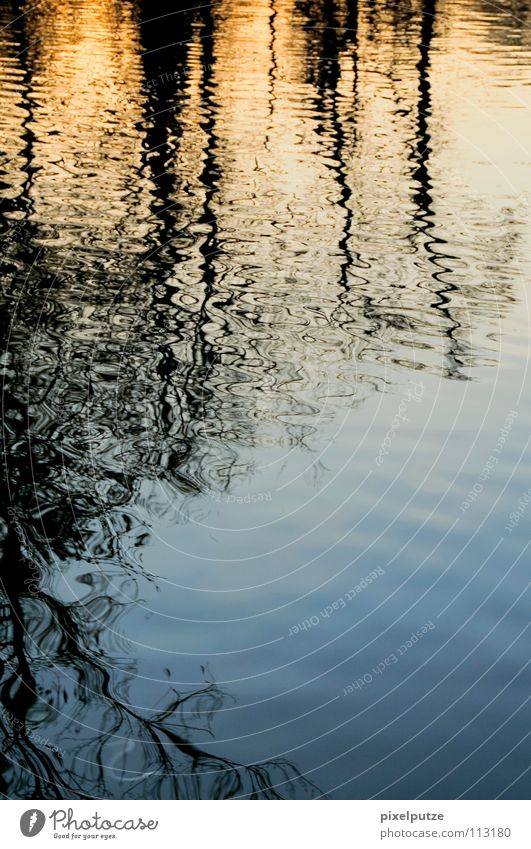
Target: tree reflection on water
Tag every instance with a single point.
(175, 289)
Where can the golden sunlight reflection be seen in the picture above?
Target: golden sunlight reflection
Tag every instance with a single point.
(86, 112)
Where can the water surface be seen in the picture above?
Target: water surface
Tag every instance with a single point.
(265, 399)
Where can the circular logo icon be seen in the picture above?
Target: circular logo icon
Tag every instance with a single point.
(31, 822)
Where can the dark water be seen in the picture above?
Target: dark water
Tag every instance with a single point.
(266, 409)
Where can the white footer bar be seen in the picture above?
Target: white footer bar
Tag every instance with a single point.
(301, 825)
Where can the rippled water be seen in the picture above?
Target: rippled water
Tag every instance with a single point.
(265, 398)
